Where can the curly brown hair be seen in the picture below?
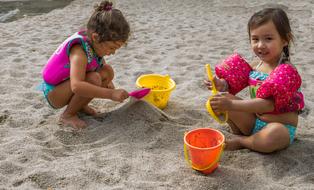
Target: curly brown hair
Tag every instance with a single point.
(109, 23)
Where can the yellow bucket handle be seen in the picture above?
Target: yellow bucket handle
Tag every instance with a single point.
(166, 76)
(186, 156)
(214, 92)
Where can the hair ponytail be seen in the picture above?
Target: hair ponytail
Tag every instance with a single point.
(286, 51)
(109, 23)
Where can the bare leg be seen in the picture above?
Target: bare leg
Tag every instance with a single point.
(106, 74)
(69, 116)
(89, 110)
(62, 95)
(235, 130)
(241, 123)
(271, 138)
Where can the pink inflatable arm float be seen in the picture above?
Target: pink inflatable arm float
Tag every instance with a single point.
(235, 70)
(282, 85)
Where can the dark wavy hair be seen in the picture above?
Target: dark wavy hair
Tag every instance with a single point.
(109, 23)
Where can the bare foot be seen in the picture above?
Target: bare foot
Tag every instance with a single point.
(234, 143)
(89, 111)
(73, 121)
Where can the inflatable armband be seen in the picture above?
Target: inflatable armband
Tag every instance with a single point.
(282, 85)
(235, 70)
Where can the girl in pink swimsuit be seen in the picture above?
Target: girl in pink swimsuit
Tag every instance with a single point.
(76, 72)
(267, 122)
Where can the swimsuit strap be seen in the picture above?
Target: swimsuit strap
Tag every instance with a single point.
(260, 63)
(282, 59)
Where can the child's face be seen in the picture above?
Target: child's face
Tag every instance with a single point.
(107, 48)
(267, 43)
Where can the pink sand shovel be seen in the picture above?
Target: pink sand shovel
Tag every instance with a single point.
(140, 93)
(136, 95)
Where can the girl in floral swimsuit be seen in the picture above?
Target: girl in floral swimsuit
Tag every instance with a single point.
(267, 122)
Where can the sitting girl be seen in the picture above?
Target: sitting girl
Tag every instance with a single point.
(267, 122)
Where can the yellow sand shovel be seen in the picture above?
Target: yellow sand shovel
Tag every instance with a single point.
(220, 117)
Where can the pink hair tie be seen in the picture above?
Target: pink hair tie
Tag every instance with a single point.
(107, 8)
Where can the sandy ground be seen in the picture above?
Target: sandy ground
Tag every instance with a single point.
(135, 146)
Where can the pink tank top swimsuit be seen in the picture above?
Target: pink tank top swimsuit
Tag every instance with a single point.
(57, 69)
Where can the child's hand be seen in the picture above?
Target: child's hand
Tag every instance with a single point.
(119, 95)
(221, 102)
(221, 84)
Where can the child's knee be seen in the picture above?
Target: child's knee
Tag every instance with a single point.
(107, 73)
(275, 139)
(268, 145)
(94, 78)
(110, 76)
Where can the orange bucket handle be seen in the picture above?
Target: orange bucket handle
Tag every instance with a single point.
(186, 156)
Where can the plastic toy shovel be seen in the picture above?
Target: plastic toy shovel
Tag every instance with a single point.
(220, 117)
(140, 93)
(211, 78)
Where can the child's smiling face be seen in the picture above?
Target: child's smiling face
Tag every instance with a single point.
(267, 43)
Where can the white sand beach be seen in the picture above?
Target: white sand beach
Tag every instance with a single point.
(139, 146)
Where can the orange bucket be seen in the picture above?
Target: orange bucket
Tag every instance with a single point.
(203, 148)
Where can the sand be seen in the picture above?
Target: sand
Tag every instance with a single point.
(136, 146)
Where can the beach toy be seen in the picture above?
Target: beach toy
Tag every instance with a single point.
(160, 86)
(282, 85)
(211, 78)
(235, 70)
(219, 117)
(140, 93)
(203, 148)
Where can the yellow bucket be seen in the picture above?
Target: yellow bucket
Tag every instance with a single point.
(161, 87)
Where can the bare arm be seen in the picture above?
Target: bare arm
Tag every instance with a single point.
(285, 118)
(229, 102)
(79, 86)
(256, 105)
